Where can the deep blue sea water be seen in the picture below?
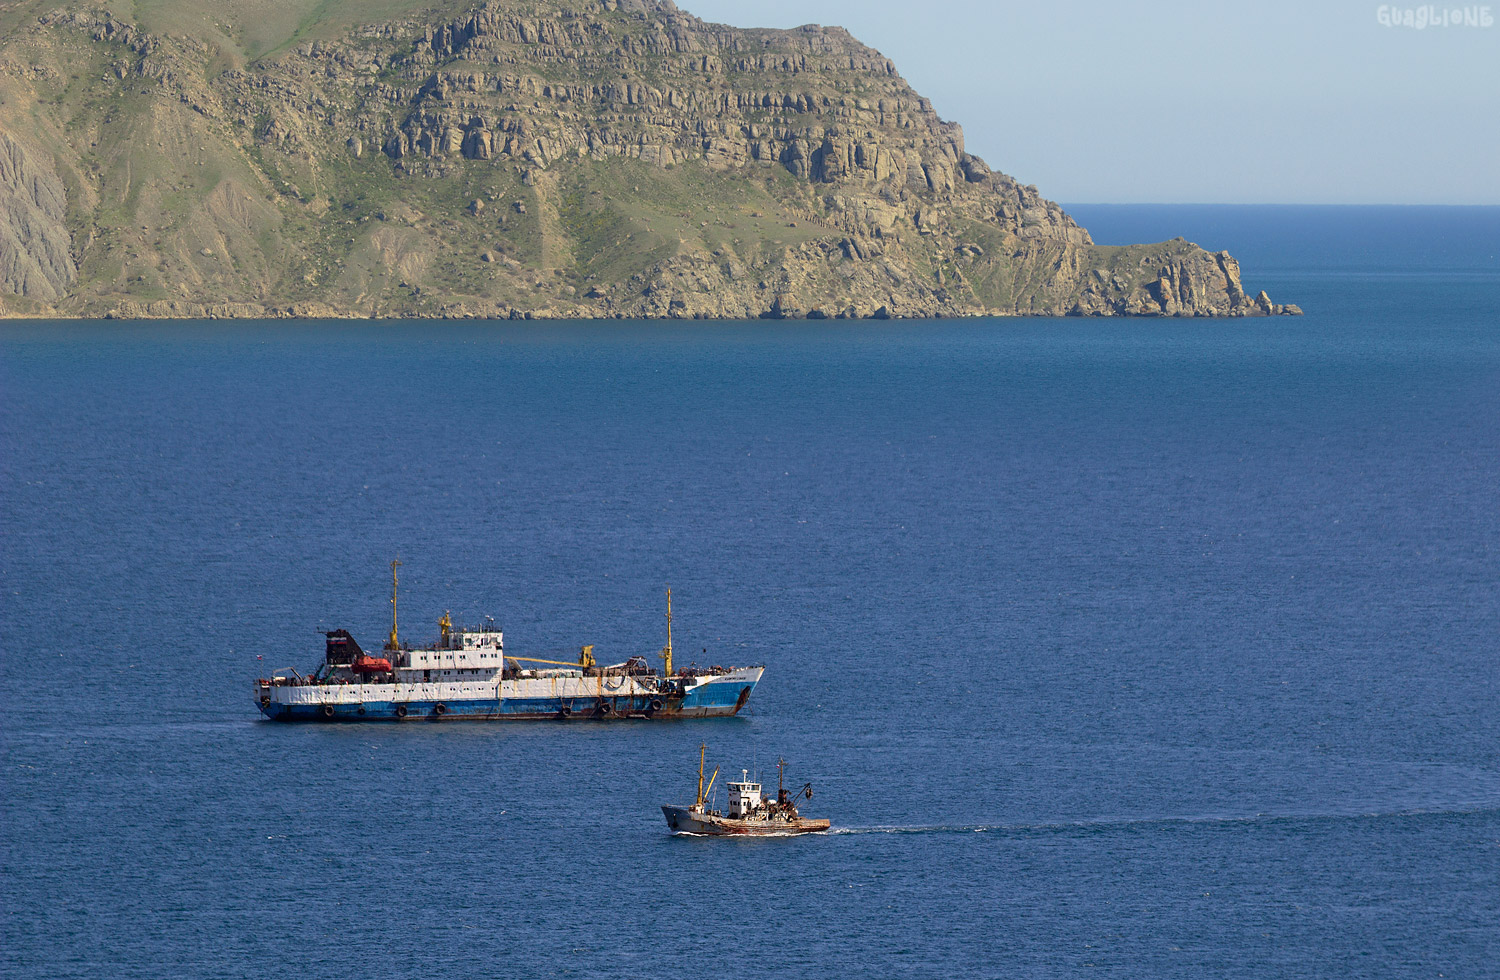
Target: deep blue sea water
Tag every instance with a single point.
(1120, 648)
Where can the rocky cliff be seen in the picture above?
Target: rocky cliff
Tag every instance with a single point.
(520, 158)
(35, 249)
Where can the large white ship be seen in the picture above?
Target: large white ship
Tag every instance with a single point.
(466, 674)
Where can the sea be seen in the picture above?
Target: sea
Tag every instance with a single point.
(1112, 647)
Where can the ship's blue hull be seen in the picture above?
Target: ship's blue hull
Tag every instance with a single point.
(706, 701)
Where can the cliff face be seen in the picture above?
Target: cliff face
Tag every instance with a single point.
(35, 248)
(527, 157)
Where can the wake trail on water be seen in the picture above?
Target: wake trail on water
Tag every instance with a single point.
(1476, 809)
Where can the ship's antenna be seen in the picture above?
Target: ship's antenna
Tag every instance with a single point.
(393, 644)
(666, 653)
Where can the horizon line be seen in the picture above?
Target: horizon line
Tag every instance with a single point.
(1266, 204)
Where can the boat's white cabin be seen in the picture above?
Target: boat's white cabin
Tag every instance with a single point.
(461, 650)
(744, 796)
(482, 639)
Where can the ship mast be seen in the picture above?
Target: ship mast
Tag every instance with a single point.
(666, 653)
(703, 748)
(392, 643)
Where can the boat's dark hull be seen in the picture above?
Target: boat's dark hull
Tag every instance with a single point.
(684, 820)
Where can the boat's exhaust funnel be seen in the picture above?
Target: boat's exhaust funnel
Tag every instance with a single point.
(341, 649)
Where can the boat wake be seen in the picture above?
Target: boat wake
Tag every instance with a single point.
(1127, 822)
(937, 829)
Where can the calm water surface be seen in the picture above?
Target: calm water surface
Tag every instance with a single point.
(1123, 648)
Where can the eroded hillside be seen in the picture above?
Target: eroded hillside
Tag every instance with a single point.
(513, 158)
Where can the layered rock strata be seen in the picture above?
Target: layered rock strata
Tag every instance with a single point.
(528, 158)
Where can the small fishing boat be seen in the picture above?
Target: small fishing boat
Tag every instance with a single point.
(749, 814)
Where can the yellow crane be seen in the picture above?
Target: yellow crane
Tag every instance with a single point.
(666, 652)
(702, 794)
(585, 659)
(392, 643)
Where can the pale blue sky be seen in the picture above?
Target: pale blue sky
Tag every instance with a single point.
(1269, 102)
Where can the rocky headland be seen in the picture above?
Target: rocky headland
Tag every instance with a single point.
(518, 158)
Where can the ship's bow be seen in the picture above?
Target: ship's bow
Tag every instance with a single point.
(722, 694)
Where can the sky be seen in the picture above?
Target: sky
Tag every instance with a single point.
(1271, 102)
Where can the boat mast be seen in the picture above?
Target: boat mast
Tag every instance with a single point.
(666, 653)
(703, 748)
(392, 643)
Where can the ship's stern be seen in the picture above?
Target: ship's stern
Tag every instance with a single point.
(263, 697)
